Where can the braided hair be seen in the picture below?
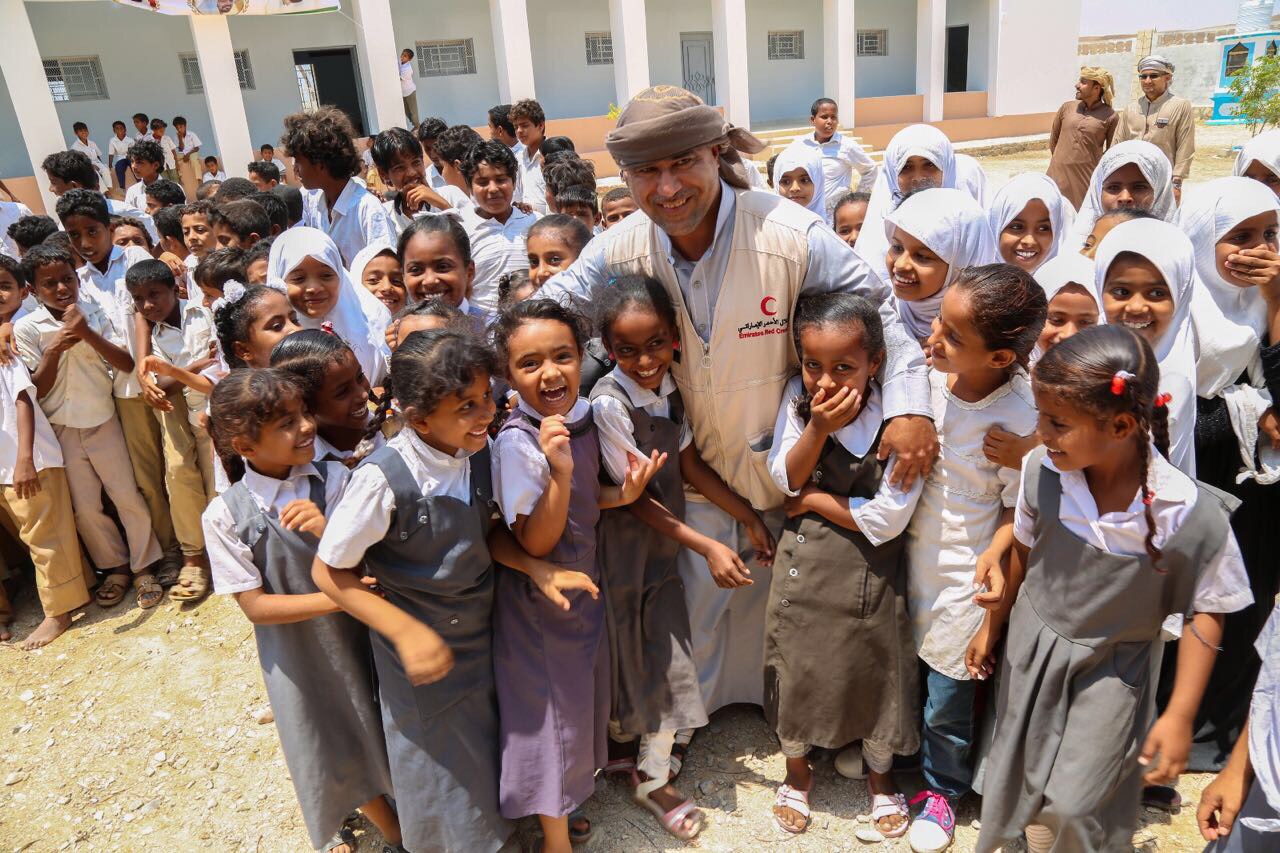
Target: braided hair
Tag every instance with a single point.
(1006, 306)
(430, 366)
(243, 403)
(847, 311)
(306, 355)
(1107, 371)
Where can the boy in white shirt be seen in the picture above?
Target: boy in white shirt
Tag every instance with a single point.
(118, 152)
(142, 125)
(90, 149)
(10, 212)
(397, 156)
(841, 156)
(69, 170)
(188, 144)
(496, 228)
(167, 147)
(212, 172)
(33, 489)
(148, 160)
(530, 123)
(71, 348)
(268, 152)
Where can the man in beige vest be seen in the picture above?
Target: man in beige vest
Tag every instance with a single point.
(734, 261)
(1160, 117)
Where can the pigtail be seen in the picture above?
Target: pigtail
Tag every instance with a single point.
(1160, 425)
(802, 404)
(1144, 461)
(380, 412)
(233, 464)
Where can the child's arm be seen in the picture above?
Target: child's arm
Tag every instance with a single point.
(1007, 449)
(1225, 795)
(988, 571)
(698, 474)
(540, 530)
(549, 578)
(26, 480)
(978, 658)
(415, 198)
(116, 356)
(46, 371)
(826, 416)
(195, 381)
(264, 608)
(726, 567)
(1170, 737)
(636, 480)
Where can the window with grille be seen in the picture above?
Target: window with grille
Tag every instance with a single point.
(75, 78)
(195, 83)
(599, 48)
(1237, 59)
(873, 42)
(446, 58)
(788, 44)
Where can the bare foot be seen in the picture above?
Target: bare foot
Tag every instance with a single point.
(5, 634)
(46, 632)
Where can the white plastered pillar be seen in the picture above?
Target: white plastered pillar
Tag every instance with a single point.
(729, 35)
(839, 49)
(29, 91)
(931, 55)
(380, 64)
(217, 60)
(510, 21)
(629, 29)
(995, 33)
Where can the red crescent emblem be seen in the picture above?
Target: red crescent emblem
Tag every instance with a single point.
(765, 306)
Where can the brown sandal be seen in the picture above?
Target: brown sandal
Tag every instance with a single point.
(112, 589)
(149, 592)
(193, 584)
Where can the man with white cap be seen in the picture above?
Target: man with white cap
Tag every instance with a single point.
(1161, 117)
(1082, 130)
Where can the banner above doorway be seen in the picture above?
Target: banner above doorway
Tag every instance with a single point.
(233, 7)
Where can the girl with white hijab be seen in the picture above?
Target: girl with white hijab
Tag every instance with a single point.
(1168, 250)
(797, 173)
(946, 223)
(1155, 168)
(1019, 227)
(1068, 284)
(1259, 159)
(971, 178)
(386, 281)
(350, 311)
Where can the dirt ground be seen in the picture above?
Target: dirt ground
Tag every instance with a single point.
(138, 731)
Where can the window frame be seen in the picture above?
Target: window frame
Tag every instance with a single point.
(604, 43)
(432, 48)
(191, 61)
(793, 39)
(56, 65)
(880, 35)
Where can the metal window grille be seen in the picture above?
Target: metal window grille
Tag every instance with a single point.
(447, 58)
(307, 87)
(599, 48)
(75, 78)
(788, 44)
(1237, 59)
(873, 42)
(193, 80)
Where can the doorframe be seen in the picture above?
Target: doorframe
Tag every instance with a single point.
(698, 35)
(354, 52)
(946, 56)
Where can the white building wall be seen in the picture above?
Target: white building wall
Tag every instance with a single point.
(1037, 46)
(784, 88)
(13, 154)
(463, 99)
(894, 74)
(974, 14)
(568, 87)
(666, 20)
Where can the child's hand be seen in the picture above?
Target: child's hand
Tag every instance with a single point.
(1221, 802)
(726, 567)
(1269, 425)
(26, 481)
(8, 349)
(639, 473)
(552, 581)
(74, 321)
(553, 438)
(801, 503)
(153, 395)
(1006, 449)
(1170, 738)
(989, 574)
(304, 517)
(64, 340)
(415, 198)
(831, 414)
(761, 540)
(979, 657)
(425, 656)
(1256, 268)
(157, 365)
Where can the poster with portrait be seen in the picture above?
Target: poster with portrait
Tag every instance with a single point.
(233, 7)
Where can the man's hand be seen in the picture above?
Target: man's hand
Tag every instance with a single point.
(914, 440)
(1221, 803)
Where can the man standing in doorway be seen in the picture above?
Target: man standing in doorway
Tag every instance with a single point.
(408, 88)
(1161, 117)
(1082, 130)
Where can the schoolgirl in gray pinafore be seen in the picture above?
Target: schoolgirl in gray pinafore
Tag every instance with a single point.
(839, 661)
(552, 665)
(1077, 693)
(319, 676)
(442, 737)
(654, 679)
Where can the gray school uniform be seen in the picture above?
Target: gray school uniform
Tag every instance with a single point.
(654, 678)
(1077, 692)
(319, 677)
(442, 737)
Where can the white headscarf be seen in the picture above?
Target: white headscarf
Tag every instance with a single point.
(1169, 250)
(1230, 320)
(918, 140)
(1057, 273)
(954, 228)
(1153, 164)
(1014, 196)
(357, 317)
(971, 178)
(809, 158)
(1265, 148)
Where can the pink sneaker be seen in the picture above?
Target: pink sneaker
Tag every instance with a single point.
(935, 826)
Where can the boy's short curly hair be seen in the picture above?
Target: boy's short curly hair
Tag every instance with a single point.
(528, 109)
(147, 151)
(167, 192)
(30, 231)
(493, 154)
(453, 143)
(325, 138)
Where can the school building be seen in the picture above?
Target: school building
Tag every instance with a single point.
(979, 68)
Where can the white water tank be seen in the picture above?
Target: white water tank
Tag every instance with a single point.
(1254, 16)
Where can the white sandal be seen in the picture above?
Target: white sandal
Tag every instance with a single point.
(796, 800)
(890, 805)
(672, 821)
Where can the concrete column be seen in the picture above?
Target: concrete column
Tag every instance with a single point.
(217, 59)
(29, 91)
(839, 49)
(729, 36)
(995, 32)
(931, 55)
(510, 21)
(627, 25)
(380, 65)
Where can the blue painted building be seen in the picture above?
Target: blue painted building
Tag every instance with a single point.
(1252, 39)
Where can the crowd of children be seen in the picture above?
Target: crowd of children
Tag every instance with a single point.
(348, 406)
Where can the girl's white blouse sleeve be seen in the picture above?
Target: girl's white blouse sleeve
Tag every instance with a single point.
(617, 436)
(786, 432)
(359, 520)
(520, 473)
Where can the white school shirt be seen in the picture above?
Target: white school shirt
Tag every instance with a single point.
(136, 196)
(357, 219)
(407, 86)
(284, 170)
(119, 147)
(167, 146)
(10, 212)
(91, 150)
(108, 290)
(841, 156)
(230, 560)
(216, 176)
(530, 183)
(184, 344)
(80, 396)
(880, 518)
(364, 514)
(189, 143)
(435, 180)
(496, 248)
(957, 517)
(612, 420)
(457, 199)
(1223, 585)
(326, 452)
(45, 450)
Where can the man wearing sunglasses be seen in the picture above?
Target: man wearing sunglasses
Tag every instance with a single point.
(1161, 117)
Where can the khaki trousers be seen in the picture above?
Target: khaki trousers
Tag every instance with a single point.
(142, 436)
(97, 458)
(45, 524)
(182, 475)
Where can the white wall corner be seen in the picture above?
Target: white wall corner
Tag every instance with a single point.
(380, 61)
(931, 53)
(729, 33)
(628, 27)
(212, 38)
(839, 49)
(511, 46)
(29, 90)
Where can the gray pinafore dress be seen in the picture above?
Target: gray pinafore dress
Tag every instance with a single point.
(654, 679)
(442, 738)
(839, 661)
(552, 665)
(1077, 690)
(319, 677)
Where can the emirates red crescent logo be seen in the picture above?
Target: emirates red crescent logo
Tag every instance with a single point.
(766, 306)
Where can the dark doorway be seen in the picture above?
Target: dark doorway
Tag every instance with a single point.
(329, 77)
(958, 59)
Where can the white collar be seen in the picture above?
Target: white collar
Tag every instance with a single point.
(641, 397)
(858, 435)
(728, 203)
(577, 413)
(1169, 485)
(813, 139)
(346, 199)
(429, 456)
(267, 488)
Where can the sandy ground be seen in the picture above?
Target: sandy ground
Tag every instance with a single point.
(138, 731)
